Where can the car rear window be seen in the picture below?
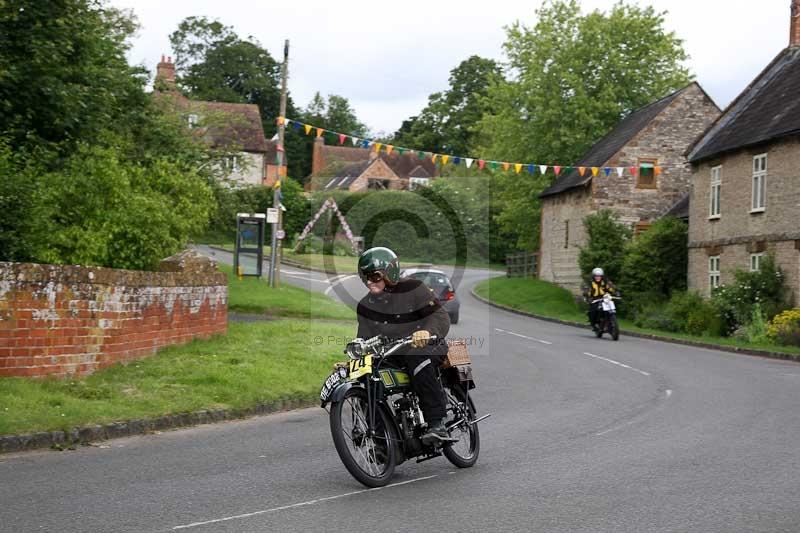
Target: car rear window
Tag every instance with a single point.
(432, 280)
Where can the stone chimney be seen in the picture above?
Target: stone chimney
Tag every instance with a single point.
(165, 74)
(794, 25)
(318, 156)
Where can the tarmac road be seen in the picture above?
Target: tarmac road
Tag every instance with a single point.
(585, 435)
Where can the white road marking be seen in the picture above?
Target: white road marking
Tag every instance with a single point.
(307, 278)
(669, 393)
(623, 365)
(523, 336)
(338, 280)
(301, 504)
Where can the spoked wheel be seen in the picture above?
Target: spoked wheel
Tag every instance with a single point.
(463, 453)
(369, 458)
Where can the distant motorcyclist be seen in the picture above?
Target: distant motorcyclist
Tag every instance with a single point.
(596, 288)
(401, 307)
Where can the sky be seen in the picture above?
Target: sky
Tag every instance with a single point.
(386, 58)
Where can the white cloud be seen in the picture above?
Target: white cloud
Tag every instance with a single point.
(387, 58)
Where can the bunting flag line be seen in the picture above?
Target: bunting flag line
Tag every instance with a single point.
(457, 160)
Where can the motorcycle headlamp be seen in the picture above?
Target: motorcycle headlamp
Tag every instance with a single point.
(355, 349)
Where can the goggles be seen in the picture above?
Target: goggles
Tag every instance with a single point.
(372, 277)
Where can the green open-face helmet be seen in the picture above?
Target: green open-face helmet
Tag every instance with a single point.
(381, 260)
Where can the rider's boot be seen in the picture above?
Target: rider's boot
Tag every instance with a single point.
(437, 433)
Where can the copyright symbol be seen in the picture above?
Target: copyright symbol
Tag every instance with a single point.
(318, 340)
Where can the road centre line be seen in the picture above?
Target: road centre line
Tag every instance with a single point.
(301, 504)
(337, 281)
(523, 336)
(623, 365)
(667, 394)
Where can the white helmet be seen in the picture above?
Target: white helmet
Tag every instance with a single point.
(598, 272)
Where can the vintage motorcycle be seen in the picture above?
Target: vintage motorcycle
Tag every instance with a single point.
(606, 316)
(376, 422)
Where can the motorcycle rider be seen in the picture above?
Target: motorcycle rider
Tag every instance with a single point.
(597, 287)
(398, 307)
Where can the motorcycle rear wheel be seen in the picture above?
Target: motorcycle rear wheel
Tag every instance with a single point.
(371, 460)
(463, 453)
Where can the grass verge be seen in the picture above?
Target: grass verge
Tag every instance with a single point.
(546, 299)
(253, 363)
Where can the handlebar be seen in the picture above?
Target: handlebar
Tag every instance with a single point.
(360, 347)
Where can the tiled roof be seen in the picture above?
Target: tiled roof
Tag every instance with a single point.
(609, 145)
(769, 108)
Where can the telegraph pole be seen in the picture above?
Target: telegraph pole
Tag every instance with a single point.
(275, 250)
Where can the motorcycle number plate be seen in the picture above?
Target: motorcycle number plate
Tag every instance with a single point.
(333, 380)
(608, 306)
(360, 367)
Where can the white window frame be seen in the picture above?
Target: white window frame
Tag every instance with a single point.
(713, 272)
(758, 200)
(715, 190)
(755, 261)
(413, 183)
(193, 120)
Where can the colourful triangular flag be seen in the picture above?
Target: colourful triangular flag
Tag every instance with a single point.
(342, 137)
(421, 154)
(634, 171)
(557, 170)
(433, 158)
(531, 169)
(595, 170)
(543, 169)
(607, 170)
(355, 140)
(493, 165)
(620, 170)
(320, 131)
(401, 150)
(517, 167)
(389, 148)
(456, 160)
(280, 121)
(468, 161)
(308, 128)
(296, 125)
(506, 165)
(581, 171)
(378, 147)
(445, 159)
(657, 171)
(481, 164)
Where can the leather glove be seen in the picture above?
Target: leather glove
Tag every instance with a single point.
(419, 339)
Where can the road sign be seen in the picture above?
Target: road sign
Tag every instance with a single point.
(281, 234)
(272, 215)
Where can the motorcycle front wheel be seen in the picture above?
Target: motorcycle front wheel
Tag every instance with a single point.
(614, 327)
(463, 453)
(369, 458)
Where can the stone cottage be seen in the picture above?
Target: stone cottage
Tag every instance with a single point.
(359, 169)
(652, 139)
(746, 178)
(226, 126)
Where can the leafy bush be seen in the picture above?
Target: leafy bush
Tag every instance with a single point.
(766, 287)
(684, 312)
(657, 259)
(606, 248)
(785, 328)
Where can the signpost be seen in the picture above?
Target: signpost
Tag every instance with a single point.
(275, 256)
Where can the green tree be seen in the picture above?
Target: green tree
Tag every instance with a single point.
(214, 63)
(606, 248)
(656, 261)
(447, 123)
(572, 78)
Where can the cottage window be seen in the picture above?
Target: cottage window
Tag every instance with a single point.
(713, 272)
(413, 183)
(759, 183)
(646, 178)
(231, 163)
(566, 234)
(192, 120)
(716, 190)
(755, 261)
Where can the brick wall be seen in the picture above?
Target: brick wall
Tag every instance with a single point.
(737, 228)
(72, 320)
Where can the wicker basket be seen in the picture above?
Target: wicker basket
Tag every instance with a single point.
(456, 354)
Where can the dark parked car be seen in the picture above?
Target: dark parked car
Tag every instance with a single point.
(442, 288)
